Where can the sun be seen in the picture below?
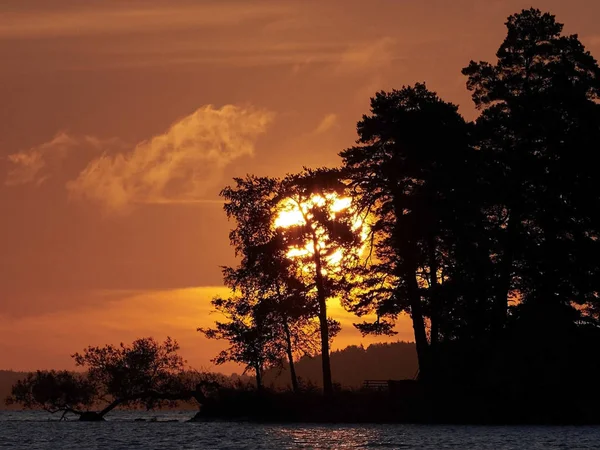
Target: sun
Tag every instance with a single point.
(294, 213)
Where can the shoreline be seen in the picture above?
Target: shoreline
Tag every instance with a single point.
(198, 417)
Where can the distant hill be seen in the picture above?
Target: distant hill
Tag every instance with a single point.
(354, 364)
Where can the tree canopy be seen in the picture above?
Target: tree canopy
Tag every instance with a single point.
(482, 232)
(146, 373)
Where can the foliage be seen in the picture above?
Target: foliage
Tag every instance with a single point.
(324, 241)
(54, 391)
(145, 373)
(133, 374)
(469, 218)
(269, 317)
(285, 277)
(404, 175)
(540, 122)
(252, 342)
(478, 231)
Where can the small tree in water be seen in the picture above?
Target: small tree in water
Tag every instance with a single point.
(146, 373)
(54, 391)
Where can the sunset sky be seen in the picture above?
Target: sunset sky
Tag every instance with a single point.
(120, 121)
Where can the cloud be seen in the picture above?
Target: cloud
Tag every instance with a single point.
(328, 122)
(368, 56)
(123, 19)
(35, 164)
(179, 165)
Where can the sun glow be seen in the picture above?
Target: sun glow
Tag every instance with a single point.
(295, 213)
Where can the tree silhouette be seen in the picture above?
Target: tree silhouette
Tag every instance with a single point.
(252, 341)
(410, 172)
(485, 233)
(145, 373)
(539, 122)
(270, 293)
(54, 391)
(321, 238)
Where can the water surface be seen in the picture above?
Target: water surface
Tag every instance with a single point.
(38, 430)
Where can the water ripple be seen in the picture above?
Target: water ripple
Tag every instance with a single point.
(33, 430)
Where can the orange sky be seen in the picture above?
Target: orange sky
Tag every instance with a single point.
(121, 120)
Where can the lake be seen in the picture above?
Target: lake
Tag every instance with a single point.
(34, 430)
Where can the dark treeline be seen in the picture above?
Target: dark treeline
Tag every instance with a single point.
(351, 366)
(485, 233)
(152, 375)
(489, 229)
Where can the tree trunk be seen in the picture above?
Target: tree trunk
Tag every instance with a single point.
(434, 295)
(322, 298)
(500, 306)
(91, 416)
(326, 364)
(416, 314)
(259, 381)
(406, 247)
(548, 303)
(290, 355)
(110, 407)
